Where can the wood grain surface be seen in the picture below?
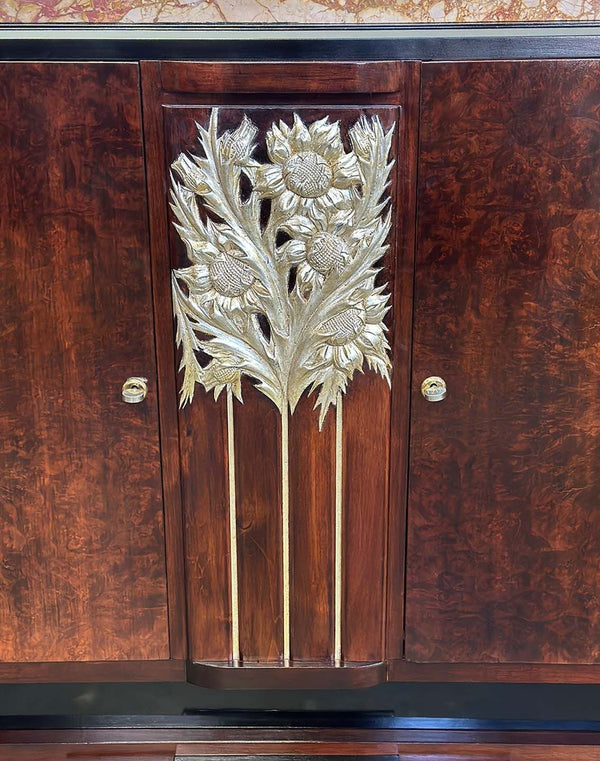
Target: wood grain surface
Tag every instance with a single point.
(203, 435)
(170, 670)
(258, 505)
(530, 673)
(165, 358)
(401, 318)
(312, 488)
(504, 522)
(82, 567)
(292, 77)
(144, 744)
(366, 462)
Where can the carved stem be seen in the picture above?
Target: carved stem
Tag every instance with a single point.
(339, 493)
(285, 529)
(233, 555)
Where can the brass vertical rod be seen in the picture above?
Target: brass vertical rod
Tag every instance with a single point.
(285, 530)
(233, 553)
(338, 551)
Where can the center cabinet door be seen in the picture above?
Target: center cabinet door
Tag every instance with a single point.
(279, 223)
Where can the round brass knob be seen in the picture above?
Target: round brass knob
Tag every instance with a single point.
(434, 388)
(134, 390)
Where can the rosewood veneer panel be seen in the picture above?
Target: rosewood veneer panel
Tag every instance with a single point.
(312, 533)
(504, 521)
(258, 488)
(82, 567)
(297, 77)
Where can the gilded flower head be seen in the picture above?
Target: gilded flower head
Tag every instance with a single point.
(355, 334)
(223, 279)
(322, 245)
(192, 173)
(310, 166)
(237, 145)
(223, 372)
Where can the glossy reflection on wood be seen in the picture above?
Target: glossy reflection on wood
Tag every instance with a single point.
(504, 526)
(258, 478)
(312, 494)
(366, 453)
(82, 567)
(298, 77)
(203, 432)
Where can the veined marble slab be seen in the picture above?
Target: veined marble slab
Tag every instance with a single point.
(296, 11)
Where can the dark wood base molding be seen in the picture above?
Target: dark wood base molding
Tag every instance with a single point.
(306, 676)
(94, 671)
(304, 738)
(541, 673)
(357, 675)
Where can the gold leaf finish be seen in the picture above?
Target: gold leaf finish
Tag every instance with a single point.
(300, 314)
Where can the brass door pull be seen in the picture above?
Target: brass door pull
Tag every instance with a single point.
(434, 388)
(134, 390)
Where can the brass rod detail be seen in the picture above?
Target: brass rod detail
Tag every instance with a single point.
(339, 494)
(285, 530)
(233, 554)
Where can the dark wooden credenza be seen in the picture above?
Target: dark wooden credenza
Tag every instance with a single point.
(351, 228)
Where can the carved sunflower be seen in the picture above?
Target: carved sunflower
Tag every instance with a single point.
(354, 335)
(321, 245)
(310, 166)
(224, 281)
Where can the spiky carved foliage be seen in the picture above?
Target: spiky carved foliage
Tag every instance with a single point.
(302, 314)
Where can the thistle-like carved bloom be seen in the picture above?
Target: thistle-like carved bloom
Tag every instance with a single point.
(352, 336)
(322, 245)
(356, 333)
(237, 145)
(305, 314)
(309, 166)
(223, 280)
(223, 373)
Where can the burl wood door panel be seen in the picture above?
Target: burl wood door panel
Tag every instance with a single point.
(82, 568)
(251, 591)
(504, 518)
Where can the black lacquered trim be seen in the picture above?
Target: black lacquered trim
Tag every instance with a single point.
(252, 42)
(292, 720)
